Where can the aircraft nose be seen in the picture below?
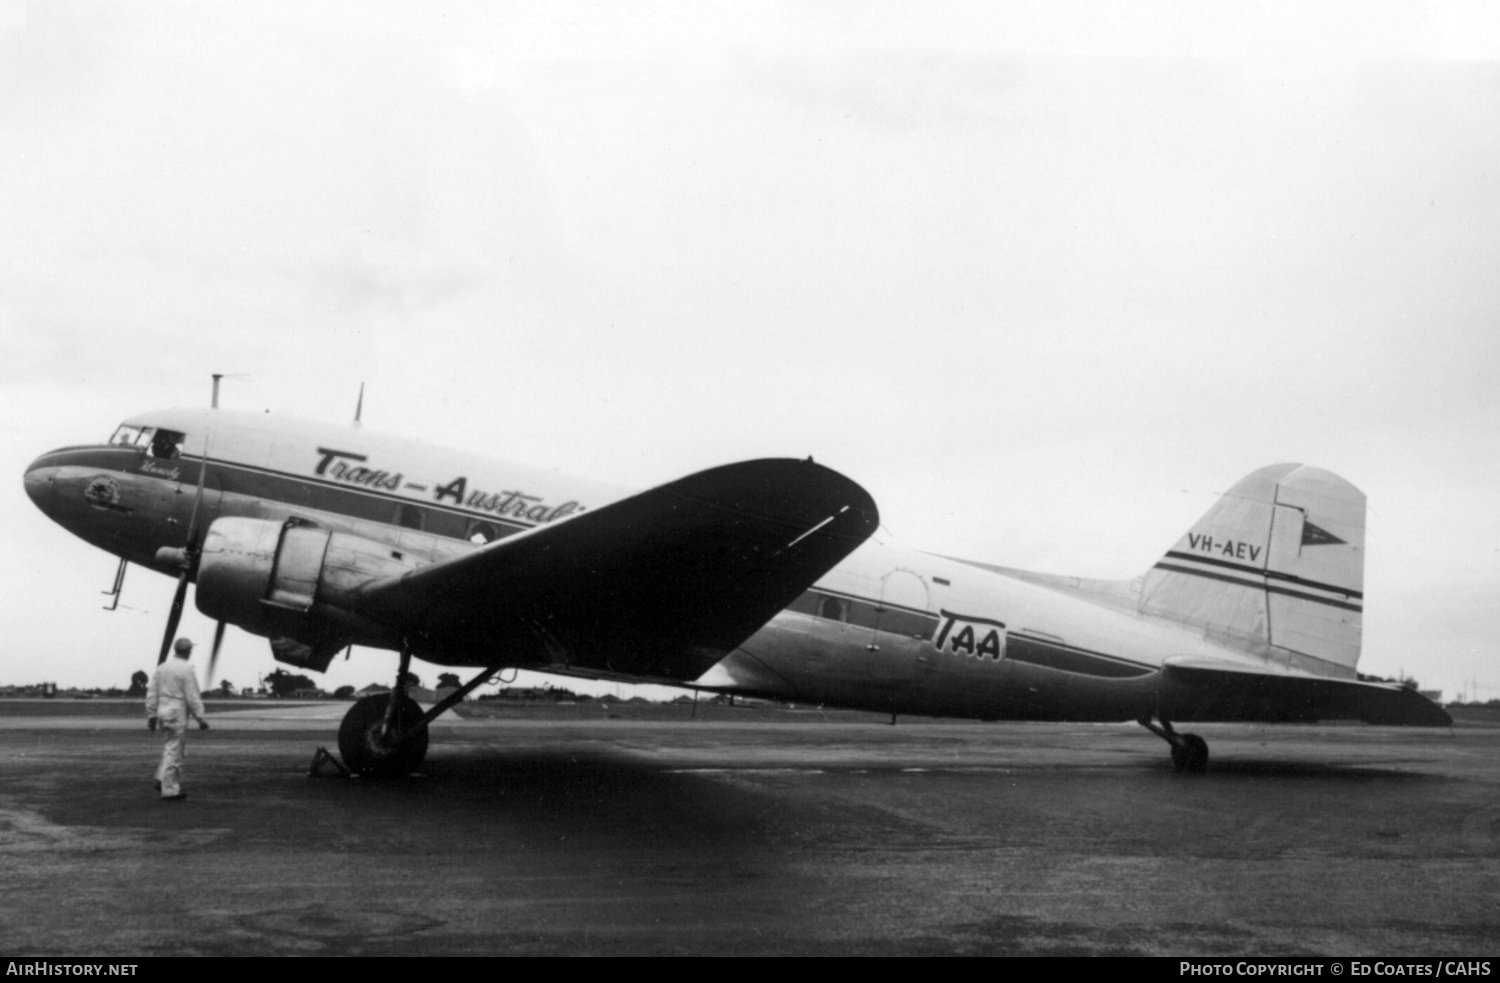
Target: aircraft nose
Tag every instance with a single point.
(39, 485)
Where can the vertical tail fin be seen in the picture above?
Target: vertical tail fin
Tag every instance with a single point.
(1276, 567)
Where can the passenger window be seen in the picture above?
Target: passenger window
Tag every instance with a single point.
(409, 516)
(444, 524)
(481, 533)
(831, 608)
(167, 445)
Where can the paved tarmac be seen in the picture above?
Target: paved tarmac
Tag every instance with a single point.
(636, 830)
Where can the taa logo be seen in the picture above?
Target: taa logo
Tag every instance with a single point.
(976, 638)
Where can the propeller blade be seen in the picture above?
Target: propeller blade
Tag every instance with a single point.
(189, 561)
(192, 535)
(174, 617)
(213, 655)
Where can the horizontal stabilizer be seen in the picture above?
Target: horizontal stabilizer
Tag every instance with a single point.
(1204, 691)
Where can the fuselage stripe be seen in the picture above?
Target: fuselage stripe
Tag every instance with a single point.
(108, 458)
(1268, 588)
(872, 601)
(1021, 646)
(1271, 574)
(1070, 658)
(516, 525)
(1036, 639)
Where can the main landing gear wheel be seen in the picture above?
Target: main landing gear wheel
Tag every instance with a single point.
(368, 749)
(1190, 755)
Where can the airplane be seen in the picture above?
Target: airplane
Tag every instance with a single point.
(764, 578)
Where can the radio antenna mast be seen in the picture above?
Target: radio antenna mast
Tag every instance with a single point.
(359, 404)
(214, 402)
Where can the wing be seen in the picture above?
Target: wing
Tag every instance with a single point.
(1199, 690)
(662, 584)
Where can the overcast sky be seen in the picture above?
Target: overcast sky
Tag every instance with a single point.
(1044, 277)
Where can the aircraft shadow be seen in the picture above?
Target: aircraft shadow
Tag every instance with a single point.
(584, 797)
(1325, 771)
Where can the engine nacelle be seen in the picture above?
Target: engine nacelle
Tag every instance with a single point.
(293, 582)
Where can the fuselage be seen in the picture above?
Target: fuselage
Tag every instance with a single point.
(890, 628)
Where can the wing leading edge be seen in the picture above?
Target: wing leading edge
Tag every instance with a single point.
(1203, 691)
(661, 584)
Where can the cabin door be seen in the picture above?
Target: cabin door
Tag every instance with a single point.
(899, 631)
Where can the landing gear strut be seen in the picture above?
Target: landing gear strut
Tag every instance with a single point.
(1189, 751)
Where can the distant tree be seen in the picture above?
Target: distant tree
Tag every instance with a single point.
(344, 692)
(283, 683)
(226, 688)
(138, 683)
(448, 680)
(412, 679)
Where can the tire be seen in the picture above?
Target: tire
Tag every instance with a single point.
(366, 752)
(1195, 754)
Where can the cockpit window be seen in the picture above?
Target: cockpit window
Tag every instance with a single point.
(129, 436)
(167, 445)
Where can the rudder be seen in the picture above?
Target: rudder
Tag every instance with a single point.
(1275, 567)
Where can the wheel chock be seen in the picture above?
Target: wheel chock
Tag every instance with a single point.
(324, 757)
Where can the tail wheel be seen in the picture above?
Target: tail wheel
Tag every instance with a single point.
(367, 747)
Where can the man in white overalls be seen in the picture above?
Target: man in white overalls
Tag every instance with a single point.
(171, 701)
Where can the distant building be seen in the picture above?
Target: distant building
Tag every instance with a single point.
(536, 694)
(419, 693)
